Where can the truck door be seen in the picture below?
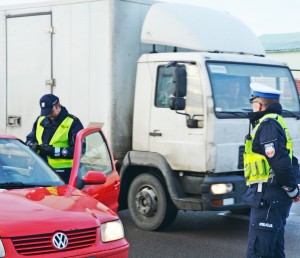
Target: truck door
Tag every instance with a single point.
(29, 55)
(183, 147)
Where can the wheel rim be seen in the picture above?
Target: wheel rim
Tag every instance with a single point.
(146, 201)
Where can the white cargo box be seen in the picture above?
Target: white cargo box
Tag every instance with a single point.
(83, 51)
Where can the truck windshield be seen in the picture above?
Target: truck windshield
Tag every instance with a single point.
(231, 87)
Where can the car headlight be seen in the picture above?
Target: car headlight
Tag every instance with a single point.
(111, 231)
(2, 251)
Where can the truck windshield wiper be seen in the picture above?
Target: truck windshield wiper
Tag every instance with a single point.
(291, 113)
(236, 113)
(12, 185)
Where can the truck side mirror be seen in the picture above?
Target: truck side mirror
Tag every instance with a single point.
(177, 103)
(179, 80)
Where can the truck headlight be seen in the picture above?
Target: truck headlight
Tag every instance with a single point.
(2, 251)
(111, 231)
(221, 188)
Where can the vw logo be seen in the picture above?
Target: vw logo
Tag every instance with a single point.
(60, 240)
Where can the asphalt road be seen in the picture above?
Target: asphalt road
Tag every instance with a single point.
(203, 235)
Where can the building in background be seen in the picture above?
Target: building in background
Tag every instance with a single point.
(285, 47)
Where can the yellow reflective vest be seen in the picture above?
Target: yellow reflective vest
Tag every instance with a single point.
(59, 140)
(256, 166)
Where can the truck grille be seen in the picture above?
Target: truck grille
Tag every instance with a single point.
(42, 244)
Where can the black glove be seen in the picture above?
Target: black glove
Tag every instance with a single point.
(33, 146)
(46, 149)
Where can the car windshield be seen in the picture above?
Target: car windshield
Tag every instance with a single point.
(231, 87)
(20, 167)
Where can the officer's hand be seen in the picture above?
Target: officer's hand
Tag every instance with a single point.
(33, 146)
(297, 198)
(46, 149)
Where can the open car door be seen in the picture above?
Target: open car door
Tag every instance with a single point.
(92, 155)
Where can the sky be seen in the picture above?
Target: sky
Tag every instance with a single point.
(261, 16)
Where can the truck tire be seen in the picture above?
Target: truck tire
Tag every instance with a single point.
(149, 204)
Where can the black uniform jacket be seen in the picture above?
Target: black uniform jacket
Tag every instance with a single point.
(271, 136)
(50, 127)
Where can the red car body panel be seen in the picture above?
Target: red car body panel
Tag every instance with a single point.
(40, 205)
(38, 211)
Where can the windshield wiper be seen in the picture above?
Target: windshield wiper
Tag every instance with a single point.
(12, 185)
(291, 113)
(236, 113)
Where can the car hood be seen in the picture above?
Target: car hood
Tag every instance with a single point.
(48, 209)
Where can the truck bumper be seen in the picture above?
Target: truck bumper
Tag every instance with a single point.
(228, 201)
(198, 194)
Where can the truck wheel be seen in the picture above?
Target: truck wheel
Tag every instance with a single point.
(149, 205)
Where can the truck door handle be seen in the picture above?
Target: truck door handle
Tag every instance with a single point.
(155, 133)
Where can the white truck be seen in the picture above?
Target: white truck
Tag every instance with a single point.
(169, 83)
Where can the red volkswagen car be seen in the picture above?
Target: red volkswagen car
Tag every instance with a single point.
(40, 216)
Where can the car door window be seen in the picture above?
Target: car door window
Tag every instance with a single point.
(95, 155)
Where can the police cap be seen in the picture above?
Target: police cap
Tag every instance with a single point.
(263, 91)
(47, 102)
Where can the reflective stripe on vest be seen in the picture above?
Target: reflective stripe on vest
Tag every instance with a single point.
(256, 166)
(59, 139)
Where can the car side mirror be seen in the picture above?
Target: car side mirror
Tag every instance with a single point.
(94, 178)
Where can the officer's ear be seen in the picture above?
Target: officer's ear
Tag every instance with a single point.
(58, 106)
(261, 104)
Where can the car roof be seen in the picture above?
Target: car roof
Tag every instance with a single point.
(7, 136)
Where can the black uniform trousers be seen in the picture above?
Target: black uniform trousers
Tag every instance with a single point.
(266, 231)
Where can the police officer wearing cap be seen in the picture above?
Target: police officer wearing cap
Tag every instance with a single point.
(53, 135)
(271, 173)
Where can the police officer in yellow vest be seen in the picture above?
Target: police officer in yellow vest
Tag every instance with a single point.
(271, 173)
(53, 135)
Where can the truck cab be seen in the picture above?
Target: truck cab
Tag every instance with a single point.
(191, 118)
